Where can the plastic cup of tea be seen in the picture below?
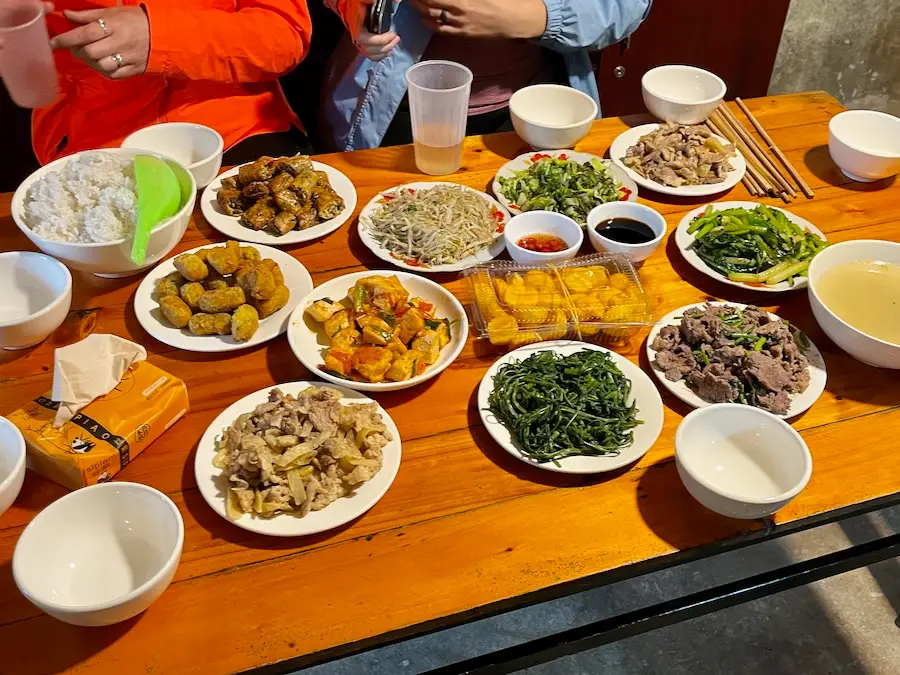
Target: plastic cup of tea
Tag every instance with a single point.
(26, 60)
(439, 107)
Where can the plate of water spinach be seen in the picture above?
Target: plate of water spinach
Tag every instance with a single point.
(570, 407)
(750, 245)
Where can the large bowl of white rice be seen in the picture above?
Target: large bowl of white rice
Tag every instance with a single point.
(82, 210)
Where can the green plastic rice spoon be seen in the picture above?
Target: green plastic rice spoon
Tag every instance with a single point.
(159, 196)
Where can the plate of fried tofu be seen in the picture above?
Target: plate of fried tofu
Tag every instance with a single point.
(221, 298)
(378, 330)
(279, 200)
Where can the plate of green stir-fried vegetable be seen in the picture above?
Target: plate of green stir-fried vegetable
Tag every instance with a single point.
(750, 245)
(570, 407)
(564, 181)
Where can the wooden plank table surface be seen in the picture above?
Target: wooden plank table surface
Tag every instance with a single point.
(465, 529)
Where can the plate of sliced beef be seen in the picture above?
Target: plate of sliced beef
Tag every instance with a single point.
(721, 352)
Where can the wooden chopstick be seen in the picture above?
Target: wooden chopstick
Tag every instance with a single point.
(756, 149)
(752, 186)
(776, 150)
(717, 126)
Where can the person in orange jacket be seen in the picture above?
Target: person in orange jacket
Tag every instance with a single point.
(212, 62)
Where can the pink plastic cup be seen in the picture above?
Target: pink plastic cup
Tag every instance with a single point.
(26, 61)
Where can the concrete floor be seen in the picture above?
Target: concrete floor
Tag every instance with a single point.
(841, 626)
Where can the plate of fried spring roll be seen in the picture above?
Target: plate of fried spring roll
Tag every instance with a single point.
(279, 200)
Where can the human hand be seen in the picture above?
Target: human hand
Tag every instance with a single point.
(127, 35)
(485, 18)
(373, 47)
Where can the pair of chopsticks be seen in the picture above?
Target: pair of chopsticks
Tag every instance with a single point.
(763, 176)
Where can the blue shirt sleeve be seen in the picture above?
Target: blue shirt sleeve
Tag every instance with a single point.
(591, 24)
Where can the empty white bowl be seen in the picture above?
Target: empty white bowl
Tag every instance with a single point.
(101, 554)
(113, 258)
(865, 144)
(861, 346)
(634, 211)
(542, 222)
(197, 147)
(682, 94)
(741, 461)
(552, 116)
(36, 297)
(12, 463)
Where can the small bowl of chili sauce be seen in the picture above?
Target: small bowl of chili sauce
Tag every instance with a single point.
(542, 236)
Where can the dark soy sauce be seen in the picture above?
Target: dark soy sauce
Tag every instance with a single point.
(625, 231)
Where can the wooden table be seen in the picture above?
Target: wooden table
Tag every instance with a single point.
(465, 530)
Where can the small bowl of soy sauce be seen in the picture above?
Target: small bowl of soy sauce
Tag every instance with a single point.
(629, 228)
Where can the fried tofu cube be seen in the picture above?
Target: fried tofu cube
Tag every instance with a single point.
(210, 324)
(324, 309)
(175, 310)
(336, 323)
(410, 324)
(224, 259)
(429, 343)
(346, 338)
(339, 361)
(374, 334)
(443, 333)
(169, 285)
(277, 301)
(372, 362)
(191, 293)
(406, 366)
(222, 300)
(397, 347)
(191, 266)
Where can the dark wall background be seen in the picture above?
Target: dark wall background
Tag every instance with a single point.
(737, 40)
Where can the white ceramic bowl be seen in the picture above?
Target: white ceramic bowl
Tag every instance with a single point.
(635, 211)
(111, 259)
(741, 461)
(682, 94)
(861, 346)
(36, 297)
(865, 144)
(551, 116)
(308, 340)
(101, 554)
(542, 222)
(12, 463)
(197, 147)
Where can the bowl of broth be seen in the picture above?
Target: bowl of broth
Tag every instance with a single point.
(854, 292)
(629, 228)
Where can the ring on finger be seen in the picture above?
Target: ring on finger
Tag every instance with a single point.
(117, 59)
(103, 26)
(442, 17)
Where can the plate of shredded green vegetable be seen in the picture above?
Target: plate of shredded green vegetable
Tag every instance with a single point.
(564, 181)
(750, 245)
(570, 407)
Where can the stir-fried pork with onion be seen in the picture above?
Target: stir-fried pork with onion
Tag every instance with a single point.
(435, 226)
(677, 155)
(299, 454)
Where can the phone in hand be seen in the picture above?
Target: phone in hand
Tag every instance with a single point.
(379, 19)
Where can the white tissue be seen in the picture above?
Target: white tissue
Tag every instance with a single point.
(88, 369)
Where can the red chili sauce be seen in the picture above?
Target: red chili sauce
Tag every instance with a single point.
(542, 243)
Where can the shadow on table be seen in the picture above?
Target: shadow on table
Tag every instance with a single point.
(818, 161)
(676, 517)
(70, 645)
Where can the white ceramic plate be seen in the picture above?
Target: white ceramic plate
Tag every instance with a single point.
(484, 255)
(643, 391)
(212, 484)
(799, 403)
(628, 138)
(146, 307)
(522, 162)
(308, 340)
(684, 240)
(231, 226)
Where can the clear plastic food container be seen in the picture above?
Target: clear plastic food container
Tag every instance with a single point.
(597, 298)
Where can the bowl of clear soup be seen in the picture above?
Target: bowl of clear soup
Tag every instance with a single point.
(854, 292)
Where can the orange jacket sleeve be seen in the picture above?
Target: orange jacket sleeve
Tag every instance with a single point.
(261, 41)
(349, 11)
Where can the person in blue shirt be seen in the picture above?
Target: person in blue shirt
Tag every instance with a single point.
(507, 44)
